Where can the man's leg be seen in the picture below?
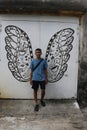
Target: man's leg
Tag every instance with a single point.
(35, 88)
(42, 85)
(42, 97)
(42, 94)
(36, 108)
(35, 97)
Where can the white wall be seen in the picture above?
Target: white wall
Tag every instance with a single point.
(39, 30)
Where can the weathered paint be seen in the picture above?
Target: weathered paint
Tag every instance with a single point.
(57, 7)
(82, 79)
(42, 5)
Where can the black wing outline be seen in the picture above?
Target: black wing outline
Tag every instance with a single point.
(19, 52)
(57, 53)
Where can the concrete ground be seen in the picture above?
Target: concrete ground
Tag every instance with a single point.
(57, 115)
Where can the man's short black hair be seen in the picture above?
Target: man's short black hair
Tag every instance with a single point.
(38, 49)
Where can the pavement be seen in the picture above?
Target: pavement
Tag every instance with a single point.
(56, 115)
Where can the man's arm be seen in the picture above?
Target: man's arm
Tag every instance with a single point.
(31, 77)
(46, 75)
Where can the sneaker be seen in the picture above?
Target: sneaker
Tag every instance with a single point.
(36, 108)
(42, 103)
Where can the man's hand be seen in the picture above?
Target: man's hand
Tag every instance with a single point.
(31, 78)
(31, 82)
(46, 74)
(46, 81)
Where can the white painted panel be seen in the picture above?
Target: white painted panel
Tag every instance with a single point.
(66, 87)
(39, 30)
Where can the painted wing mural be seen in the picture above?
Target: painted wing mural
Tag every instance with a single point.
(57, 53)
(20, 54)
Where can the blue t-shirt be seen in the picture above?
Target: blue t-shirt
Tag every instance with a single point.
(38, 73)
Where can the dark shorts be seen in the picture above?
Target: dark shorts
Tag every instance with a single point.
(36, 84)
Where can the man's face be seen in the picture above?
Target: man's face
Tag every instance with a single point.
(38, 53)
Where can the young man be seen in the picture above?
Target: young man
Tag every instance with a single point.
(38, 76)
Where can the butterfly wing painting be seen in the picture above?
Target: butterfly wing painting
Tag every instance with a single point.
(19, 52)
(57, 53)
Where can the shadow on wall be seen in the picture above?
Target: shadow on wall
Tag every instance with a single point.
(82, 84)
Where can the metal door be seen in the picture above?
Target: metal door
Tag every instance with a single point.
(58, 39)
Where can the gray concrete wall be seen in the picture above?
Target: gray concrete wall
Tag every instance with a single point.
(29, 6)
(42, 5)
(82, 74)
